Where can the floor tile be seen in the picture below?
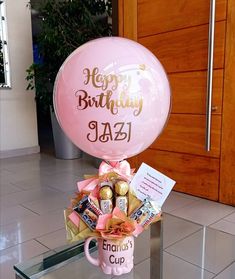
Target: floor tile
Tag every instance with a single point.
(31, 183)
(228, 273)
(47, 204)
(26, 196)
(230, 218)
(79, 166)
(25, 230)
(63, 181)
(54, 240)
(140, 271)
(16, 254)
(224, 226)
(175, 229)
(59, 179)
(204, 212)
(175, 268)
(142, 247)
(3, 172)
(186, 196)
(211, 249)
(15, 214)
(176, 201)
(8, 188)
(30, 162)
(22, 174)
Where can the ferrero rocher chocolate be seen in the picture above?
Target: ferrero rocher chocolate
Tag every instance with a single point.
(106, 203)
(121, 201)
(106, 193)
(121, 188)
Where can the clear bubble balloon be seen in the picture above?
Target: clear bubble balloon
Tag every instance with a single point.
(112, 98)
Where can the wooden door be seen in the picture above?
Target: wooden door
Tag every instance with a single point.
(176, 31)
(227, 160)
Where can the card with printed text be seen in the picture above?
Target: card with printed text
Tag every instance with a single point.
(152, 184)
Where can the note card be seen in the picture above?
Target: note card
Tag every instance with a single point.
(152, 184)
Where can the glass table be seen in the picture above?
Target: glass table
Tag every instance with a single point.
(172, 248)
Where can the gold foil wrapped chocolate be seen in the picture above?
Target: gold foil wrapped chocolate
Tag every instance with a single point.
(106, 196)
(121, 200)
(106, 193)
(121, 188)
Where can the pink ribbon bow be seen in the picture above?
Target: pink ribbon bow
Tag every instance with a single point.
(121, 168)
(87, 184)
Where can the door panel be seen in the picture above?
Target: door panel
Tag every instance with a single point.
(186, 133)
(189, 92)
(194, 175)
(157, 17)
(227, 165)
(186, 49)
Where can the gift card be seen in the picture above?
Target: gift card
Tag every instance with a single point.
(152, 184)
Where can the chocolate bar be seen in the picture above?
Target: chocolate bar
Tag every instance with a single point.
(145, 213)
(88, 211)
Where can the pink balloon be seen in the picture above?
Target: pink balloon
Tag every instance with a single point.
(112, 98)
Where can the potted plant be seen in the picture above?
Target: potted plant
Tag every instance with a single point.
(64, 26)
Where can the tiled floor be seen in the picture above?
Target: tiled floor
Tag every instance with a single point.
(34, 190)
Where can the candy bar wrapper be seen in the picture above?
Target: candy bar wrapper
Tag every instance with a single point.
(147, 213)
(75, 233)
(76, 228)
(88, 212)
(135, 203)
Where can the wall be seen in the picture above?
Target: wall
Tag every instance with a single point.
(18, 124)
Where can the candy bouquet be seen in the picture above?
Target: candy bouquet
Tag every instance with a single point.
(106, 206)
(114, 207)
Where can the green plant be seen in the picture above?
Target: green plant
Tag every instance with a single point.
(64, 25)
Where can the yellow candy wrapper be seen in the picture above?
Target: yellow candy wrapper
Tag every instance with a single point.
(133, 203)
(75, 233)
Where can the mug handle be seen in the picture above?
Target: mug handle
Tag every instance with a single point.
(92, 260)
